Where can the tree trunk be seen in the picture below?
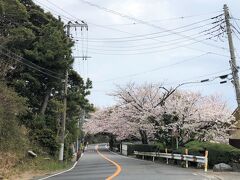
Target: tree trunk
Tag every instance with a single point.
(143, 136)
(45, 102)
(111, 142)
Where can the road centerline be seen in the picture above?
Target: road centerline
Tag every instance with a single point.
(119, 168)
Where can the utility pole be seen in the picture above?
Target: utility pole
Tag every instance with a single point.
(63, 122)
(233, 63)
(80, 122)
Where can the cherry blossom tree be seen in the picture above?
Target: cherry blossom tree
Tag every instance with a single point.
(199, 117)
(151, 111)
(215, 120)
(111, 121)
(143, 106)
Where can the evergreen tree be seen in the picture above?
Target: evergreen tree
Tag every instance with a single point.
(40, 39)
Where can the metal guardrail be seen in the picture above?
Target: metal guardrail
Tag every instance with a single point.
(183, 157)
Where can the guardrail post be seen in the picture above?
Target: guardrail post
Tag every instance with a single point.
(206, 161)
(166, 153)
(186, 152)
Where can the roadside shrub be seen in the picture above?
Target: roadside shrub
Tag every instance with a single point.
(145, 148)
(217, 153)
(46, 139)
(11, 133)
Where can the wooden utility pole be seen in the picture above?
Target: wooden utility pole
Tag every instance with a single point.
(80, 122)
(233, 63)
(63, 122)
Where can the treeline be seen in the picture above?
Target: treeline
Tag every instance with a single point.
(35, 53)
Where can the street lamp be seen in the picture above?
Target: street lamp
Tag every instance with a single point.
(203, 81)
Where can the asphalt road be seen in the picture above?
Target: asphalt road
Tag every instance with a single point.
(102, 164)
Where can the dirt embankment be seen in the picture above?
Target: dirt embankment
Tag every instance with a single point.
(15, 167)
(10, 169)
(7, 162)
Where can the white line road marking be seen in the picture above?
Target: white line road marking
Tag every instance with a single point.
(206, 177)
(62, 171)
(128, 156)
(211, 177)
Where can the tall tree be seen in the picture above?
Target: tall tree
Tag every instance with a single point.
(37, 38)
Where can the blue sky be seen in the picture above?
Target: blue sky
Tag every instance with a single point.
(122, 50)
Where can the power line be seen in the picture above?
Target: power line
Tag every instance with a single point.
(31, 65)
(112, 46)
(238, 19)
(148, 52)
(160, 32)
(53, 11)
(153, 70)
(146, 48)
(237, 25)
(141, 38)
(98, 25)
(67, 18)
(105, 26)
(169, 41)
(114, 28)
(101, 25)
(61, 9)
(176, 39)
(238, 31)
(197, 81)
(167, 19)
(157, 51)
(196, 35)
(131, 34)
(149, 24)
(236, 35)
(25, 60)
(203, 81)
(197, 77)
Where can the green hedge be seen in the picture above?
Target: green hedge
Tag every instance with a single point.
(145, 148)
(217, 153)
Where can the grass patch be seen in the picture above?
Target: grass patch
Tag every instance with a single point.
(36, 166)
(43, 164)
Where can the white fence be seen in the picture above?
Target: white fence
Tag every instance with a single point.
(183, 157)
